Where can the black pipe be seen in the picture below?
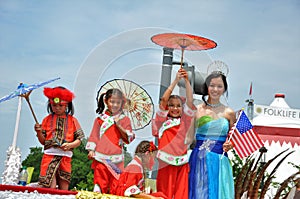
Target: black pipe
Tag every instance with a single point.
(166, 71)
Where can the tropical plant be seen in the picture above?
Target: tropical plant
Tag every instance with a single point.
(284, 186)
(249, 179)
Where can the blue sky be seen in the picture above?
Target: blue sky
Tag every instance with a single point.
(87, 43)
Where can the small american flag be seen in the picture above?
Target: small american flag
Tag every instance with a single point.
(244, 139)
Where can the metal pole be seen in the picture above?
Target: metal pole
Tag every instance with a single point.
(17, 123)
(263, 161)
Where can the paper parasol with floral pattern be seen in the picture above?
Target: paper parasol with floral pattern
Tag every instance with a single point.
(139, 105)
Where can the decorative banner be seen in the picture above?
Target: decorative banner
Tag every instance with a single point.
(277, 112)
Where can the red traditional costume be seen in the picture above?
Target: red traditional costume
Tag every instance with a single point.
(58, 130)
(132, 181)
(105, 139)
(172, 175)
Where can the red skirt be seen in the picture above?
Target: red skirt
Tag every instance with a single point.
(55, 166)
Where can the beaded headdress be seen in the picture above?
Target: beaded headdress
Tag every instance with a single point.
(217, 67)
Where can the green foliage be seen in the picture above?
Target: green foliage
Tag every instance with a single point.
(294, 165)
(82, 174)
(127, 156)
(88, 185)
(237, 164)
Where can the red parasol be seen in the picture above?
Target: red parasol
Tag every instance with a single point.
(183, 42)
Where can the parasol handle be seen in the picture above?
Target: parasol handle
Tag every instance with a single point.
(26, 96)
(181, 61)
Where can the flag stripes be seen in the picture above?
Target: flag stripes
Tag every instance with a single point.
(245, 140)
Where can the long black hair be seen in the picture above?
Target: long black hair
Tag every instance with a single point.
(208, 79)
(107, 95)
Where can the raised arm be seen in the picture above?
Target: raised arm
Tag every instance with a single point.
(164, 99)
(188, 87)
(190, 136)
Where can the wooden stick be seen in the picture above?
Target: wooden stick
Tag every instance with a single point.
(26, 96)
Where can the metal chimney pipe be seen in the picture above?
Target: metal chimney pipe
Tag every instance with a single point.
(166, 71)
(250, 108)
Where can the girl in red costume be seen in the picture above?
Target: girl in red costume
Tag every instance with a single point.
(131, 182)
(60, 133)
(172, 121)
(111, 129)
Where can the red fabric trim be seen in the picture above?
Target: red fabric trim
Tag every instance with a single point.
(40, 190)
(280, 134)
(152, 147)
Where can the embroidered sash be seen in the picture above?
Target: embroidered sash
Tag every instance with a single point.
(172, 159)
(108, 121)
(168, 124)
(117, 158)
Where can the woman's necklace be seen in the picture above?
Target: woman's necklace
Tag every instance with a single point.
(214, 105)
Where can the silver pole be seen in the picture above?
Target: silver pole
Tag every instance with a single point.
(250, 108)
(17, 122)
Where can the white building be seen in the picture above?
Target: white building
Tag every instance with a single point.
(279, 127)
